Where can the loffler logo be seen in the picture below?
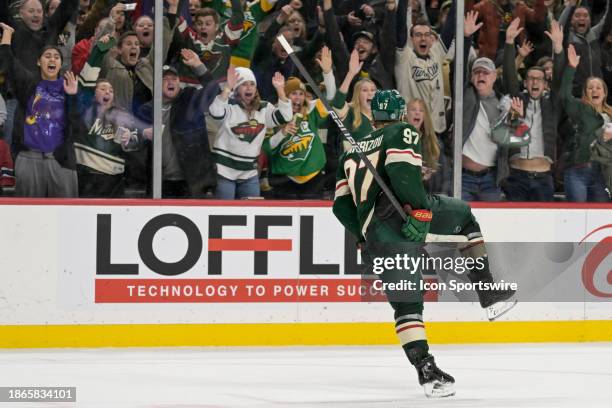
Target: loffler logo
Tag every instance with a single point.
(120, 283)
(260, 244)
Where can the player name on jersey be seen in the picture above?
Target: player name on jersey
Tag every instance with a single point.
(367, 145)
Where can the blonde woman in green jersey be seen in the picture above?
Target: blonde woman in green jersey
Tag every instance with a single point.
(356, 115)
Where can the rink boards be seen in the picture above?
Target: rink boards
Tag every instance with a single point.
(94, 273)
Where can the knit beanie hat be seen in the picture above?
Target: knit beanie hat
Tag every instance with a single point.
(244, 75)
(294, 84)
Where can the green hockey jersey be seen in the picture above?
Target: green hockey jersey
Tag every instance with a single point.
(301, 156)
(254, 12)
(216, 54)
(396, 153)
(97, 148)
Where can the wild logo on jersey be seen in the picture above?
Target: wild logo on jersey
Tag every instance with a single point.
(106, 132)
(298, 146)
(211, 57)
(248, 131)
(247, 24)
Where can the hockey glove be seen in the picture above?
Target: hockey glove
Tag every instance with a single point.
(417, 226)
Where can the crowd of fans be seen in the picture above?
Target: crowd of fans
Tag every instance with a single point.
(239, 121)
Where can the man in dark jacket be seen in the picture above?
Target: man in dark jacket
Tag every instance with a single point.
(34, 32)
(530, 176)
(587, 40)
(270, 57)
(188, 170)
(378, 62)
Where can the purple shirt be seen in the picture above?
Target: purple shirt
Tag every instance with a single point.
(44, 122)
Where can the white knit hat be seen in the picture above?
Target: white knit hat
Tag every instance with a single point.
(244, 75)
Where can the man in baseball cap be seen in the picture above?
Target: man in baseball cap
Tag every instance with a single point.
(485, 63)
(365, 44)
(188, 165)
(169, 69)
(481, 157)
(483, 76)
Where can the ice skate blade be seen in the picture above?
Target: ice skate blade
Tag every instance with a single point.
(497, 310)
(437, 389)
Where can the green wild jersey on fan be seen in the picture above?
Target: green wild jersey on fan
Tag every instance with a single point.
(395, 151)
(301, 156)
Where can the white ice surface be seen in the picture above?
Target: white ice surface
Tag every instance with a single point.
(492, 376)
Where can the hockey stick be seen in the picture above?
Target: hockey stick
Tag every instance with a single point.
(385, 188)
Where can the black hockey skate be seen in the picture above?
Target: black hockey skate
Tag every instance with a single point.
(435, 382)
(496, 302)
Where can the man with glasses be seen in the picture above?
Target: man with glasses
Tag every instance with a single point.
(419, 60)
(419, 73)
(530, 177)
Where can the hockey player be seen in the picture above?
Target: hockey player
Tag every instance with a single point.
(395, 149)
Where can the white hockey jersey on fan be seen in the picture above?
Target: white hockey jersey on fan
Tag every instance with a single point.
(241, 135)
(423, 78)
